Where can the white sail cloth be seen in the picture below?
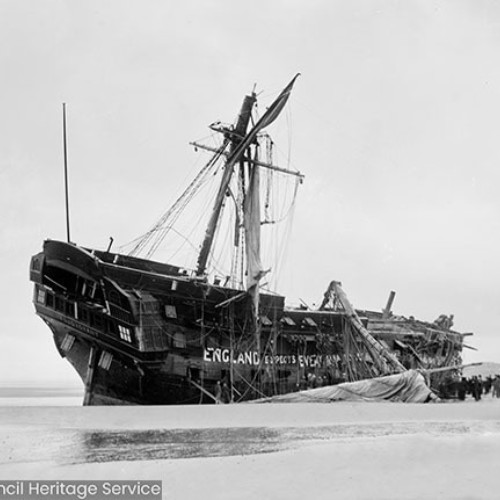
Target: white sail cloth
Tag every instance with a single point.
(252, 230)
(407, 387)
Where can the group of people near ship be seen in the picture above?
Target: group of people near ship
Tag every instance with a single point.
(475, 386)
(222, 393)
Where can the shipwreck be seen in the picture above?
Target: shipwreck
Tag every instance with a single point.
(142, 331)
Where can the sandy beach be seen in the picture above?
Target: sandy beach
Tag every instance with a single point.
(342, 450)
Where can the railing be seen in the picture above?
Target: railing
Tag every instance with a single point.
(89, 314)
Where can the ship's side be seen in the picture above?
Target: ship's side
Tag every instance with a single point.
(142, 332)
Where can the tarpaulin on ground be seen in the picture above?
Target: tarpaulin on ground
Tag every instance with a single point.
(407, 387)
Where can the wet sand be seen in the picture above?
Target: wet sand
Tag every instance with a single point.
(341, 450)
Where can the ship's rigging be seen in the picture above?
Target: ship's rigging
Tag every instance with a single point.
(230, 249)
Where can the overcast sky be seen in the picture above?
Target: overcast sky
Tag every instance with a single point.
(394, 121)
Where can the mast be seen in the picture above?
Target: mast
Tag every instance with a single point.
(386, 314)
(240, 144)
(236, 138)
(389, 363)
(65, 150)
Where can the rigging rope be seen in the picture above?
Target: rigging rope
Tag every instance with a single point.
(157, 233)
(229, 256)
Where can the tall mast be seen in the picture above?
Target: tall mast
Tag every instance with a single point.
(65, 150)
(241, 140)
(236, 138)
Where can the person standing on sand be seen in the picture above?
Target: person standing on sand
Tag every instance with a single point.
(480, 385)
(218, 393)
(496, 387)
(487, 384)
(226, 395)
(477, 387)
(462, 389)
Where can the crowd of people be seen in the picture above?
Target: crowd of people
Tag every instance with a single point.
(475, 386)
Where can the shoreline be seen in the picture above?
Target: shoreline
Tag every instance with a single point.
(277, 451)
(246, 415)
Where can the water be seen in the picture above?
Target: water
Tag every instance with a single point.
(292, 450)
(63, 435)
(26, 395)
(77, 446)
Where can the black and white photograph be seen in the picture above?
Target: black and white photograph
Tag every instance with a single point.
(249, 250)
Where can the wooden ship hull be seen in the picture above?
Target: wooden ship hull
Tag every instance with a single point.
(141, 332)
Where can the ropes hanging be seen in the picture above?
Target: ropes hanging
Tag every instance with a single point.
(277, 200)
(154, 237)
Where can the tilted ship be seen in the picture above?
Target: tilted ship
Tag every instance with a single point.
(139, 331)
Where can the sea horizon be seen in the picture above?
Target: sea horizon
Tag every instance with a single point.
(46, 393)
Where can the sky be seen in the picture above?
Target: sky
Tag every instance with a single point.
(394, 122)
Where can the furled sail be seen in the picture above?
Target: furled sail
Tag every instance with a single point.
(251, 212)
